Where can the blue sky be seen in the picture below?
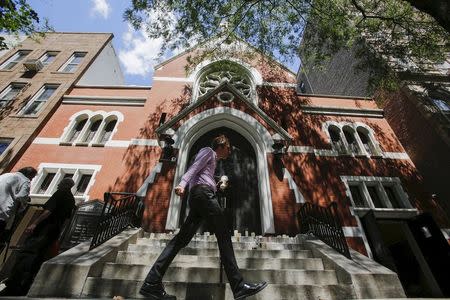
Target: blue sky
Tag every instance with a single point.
(132, 47)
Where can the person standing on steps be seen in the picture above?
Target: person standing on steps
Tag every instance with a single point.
(204, 206)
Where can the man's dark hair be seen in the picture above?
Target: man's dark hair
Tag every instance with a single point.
(220, 140)
(28, 172)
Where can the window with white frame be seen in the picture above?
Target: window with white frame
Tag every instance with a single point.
(46, 183)
(10, 93)
(15, 59)
(336, 139)
(352, 138)
(39, 99)
(48, 57)
(352, 142)
(91, 132)
(4, 144)
(91, 129)
(77, 129)
(366, 140)
(72, 64)
(377, 193)
(106, 133)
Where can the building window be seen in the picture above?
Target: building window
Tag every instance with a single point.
(92, 131)
(15, 59)
(91, 128)
(376, 192)
(48, 178)
(107, 131)
(77, 129)
(10, 93)
(366, 140)
(48, 57)
(336, 140)
(4, 144)
(46, 183)
(38, 100)
(72, 64)
(82, 184)
(352, 143)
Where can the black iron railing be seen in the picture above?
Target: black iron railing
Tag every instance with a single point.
(120, 210)
(324, 223)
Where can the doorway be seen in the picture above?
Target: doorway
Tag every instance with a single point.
(242, 195)
(396, 244)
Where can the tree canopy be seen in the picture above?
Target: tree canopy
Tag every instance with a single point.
(17, 16)
(393, 29)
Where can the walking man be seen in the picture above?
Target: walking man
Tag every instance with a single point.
(203, 207)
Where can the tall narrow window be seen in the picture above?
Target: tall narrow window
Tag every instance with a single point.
(48, 58)
(366, 140)
(82, 184)
(357, 196)
(107, 131)
(14, 60)
(4, 143)
(72, 64)
(36, 103)
(92, 131)
(10, 93)
(336, 141)
(46, 183)
(375, 196)
(392, 196)
(349, 134)
(75, 133)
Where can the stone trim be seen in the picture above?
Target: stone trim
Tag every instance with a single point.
(341, 111)
(102, 100)
(293, 186)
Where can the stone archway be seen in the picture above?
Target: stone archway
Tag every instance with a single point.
(244, 124)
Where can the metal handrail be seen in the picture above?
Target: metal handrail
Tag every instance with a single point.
(324, 223)
(120, 210)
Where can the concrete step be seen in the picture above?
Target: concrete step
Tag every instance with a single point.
(125, 257)
(211, 275)
(100, 287)
(239, 238)
(258, 253)
(236, 245)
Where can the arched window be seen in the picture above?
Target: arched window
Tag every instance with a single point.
(75, 133)
(107, 131)
(349, 134)
(366, 140)
(336, 141)
(92, 130)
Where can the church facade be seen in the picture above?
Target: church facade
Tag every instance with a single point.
(288, 149)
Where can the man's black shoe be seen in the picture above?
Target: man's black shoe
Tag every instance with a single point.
(249, 289)
(155, 291)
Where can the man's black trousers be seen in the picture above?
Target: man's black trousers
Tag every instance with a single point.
(203, 207)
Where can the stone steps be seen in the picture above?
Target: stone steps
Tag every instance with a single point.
(236, 245)
(102, 287)
(211, 275)
(128, 257)
(256, 253)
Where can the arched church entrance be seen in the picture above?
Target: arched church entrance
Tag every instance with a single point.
(242, 196)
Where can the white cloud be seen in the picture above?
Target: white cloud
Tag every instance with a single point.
(101, 8)
(140, 53)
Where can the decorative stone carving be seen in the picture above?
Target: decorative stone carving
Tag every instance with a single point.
(213, 79)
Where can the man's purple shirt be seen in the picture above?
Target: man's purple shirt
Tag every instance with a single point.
(202, 170)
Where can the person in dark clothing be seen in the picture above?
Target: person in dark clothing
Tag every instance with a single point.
(204, 207)
(43, 232)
